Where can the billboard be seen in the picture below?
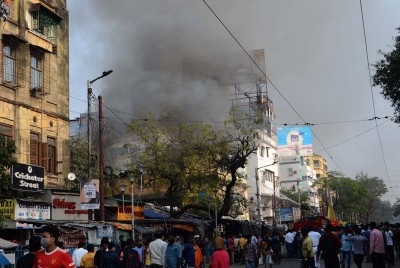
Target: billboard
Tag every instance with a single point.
(289, 214)
(90, 197)
(295, 141)
(66, 207)
(27, 178)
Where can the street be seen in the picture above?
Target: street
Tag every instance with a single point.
(296, 264)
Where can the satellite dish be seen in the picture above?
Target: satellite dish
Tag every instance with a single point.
(71, 176)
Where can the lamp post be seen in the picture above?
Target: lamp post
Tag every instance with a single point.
(132, 179)
(89, 132)
(122, 189)
(141, 170)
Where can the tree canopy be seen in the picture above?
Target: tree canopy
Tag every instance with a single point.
(184, 159)
(7, 159)
(387, 76)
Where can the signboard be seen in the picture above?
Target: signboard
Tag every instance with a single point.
(285, 214)
(295, 141)
(27, 178)
(90, 197)
(31, 210)
(71, 238)
(7, 209)
(125, 212)
(67, 207)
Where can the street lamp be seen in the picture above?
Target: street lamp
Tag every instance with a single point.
(122, 189)
(89, 132)
(141, 170)
(132, 179)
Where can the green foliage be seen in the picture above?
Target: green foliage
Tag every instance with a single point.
(79, 162)
(293, 194)
(183, 159)
(387, 76)
(7, 159)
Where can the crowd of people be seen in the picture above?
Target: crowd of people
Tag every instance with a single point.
(337, 246)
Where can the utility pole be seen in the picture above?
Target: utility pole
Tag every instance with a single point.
(258, 201)
(89, 137)
(101, 159)
(274, 205)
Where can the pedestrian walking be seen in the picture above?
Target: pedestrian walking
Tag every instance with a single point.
(78, 253)
(328, 248)
(359, 244)
(188, 253)
(289, 238)
(173, 253)
(315, 236)
(110, 258)
(157, 250)
(345, 250)
(307, 250)
(220, 257)
(87, 260)
(52, 256)
(250, 253)
(389, 249)
(377, 247)
(28, 259)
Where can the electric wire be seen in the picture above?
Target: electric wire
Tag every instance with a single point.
(372, 93)
(356, 136)
(269, 80)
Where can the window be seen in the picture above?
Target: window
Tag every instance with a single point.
(290, 171)
(9, 60)
(36, 71)
(316, 163)
(268, 175)
(52, 156)
(318, 176)
(262, 151)
(5, 134)
(44, 21)
(34, 149)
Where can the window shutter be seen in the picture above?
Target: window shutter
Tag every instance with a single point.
(45, 156)
(34, 152)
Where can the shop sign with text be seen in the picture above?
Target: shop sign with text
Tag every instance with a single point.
(7, 209)
(67, 207)
(27, 178)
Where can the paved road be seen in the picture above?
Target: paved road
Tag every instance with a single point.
(296, 264)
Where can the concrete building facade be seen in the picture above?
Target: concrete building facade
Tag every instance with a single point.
(319, 164)
(34, 89)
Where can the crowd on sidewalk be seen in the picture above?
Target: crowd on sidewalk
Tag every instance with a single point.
(337, 247)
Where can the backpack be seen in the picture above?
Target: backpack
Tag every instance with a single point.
(131, 258)
(328, 248)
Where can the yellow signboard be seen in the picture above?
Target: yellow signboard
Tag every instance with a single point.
(125, 212)
(7, 209)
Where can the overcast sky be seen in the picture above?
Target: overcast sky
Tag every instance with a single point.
(315, 55)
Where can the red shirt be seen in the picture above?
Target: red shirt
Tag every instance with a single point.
(59, 258)
(220, 259)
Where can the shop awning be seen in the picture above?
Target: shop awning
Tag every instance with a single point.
(150, 213)
(7, 244)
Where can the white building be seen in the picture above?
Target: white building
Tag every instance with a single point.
(297, 175)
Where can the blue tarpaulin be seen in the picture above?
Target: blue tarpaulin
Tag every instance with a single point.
(149, 213)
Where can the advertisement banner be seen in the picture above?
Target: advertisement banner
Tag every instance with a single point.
(67, 207)
(125, 212)
(31, 210)
(295, 141)
(27, 178)
(90, 197)
(7, 209)
(285, 214)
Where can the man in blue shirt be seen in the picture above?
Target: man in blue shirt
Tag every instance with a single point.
(345, 250)
(189, 254)
(173, 254)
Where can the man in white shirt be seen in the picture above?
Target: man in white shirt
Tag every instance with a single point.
(78, 254)
(289, 238)
(389, 244)
(315, 236)
(157, 250)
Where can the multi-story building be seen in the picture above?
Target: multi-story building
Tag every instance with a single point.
(295, 174)
(319, 164)
(34, 89)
